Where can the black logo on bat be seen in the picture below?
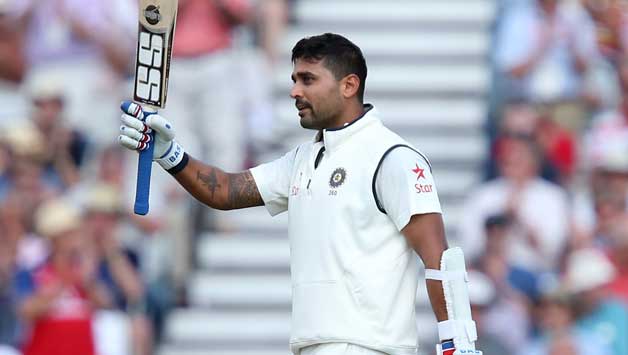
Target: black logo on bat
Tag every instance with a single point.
(152, 15)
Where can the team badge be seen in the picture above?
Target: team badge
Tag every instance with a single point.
(337, 178)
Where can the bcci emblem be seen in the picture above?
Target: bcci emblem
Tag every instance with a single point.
(337, 177)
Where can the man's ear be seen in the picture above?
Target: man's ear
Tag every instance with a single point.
(350, 86)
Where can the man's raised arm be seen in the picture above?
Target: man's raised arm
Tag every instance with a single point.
(218, 189)
(208, 184)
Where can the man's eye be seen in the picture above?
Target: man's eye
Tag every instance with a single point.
(308, 79)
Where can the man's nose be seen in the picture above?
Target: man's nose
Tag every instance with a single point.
(296, 92)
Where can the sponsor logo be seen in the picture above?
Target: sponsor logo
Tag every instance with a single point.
(295, 188)
(152, 15)
(150, 60)
(420, 173)
(337, 178)
(176, 154)
(421, 188)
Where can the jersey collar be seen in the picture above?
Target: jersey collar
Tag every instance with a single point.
(334, 137)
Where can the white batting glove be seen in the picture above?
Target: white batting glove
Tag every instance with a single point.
(134, 135)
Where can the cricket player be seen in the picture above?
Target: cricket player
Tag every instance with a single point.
(361, 201)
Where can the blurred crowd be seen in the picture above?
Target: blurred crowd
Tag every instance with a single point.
(547, 234)
(79, 273)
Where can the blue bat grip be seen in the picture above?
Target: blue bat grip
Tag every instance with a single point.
(144, 165)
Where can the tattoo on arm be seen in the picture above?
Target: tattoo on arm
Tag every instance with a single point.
(209, 180)
(243, 191)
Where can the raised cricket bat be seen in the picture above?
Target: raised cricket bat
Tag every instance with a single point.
(157, 20)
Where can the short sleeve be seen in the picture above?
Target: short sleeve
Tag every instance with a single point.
(273, 182)
(405, 186)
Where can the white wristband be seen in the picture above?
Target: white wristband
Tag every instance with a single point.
(172, 157)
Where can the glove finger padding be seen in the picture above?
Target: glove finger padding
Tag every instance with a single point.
(128, 142)
(132, 133)
(133, 139)
(135, 123)
(161, 126)
(133, 109)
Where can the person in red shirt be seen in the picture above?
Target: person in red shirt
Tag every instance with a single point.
(60, 295)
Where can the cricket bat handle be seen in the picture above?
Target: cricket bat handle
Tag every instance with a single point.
(144, 167)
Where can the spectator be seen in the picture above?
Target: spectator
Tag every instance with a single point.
(12, 64)
(588, 273)
(203, 95)
(59, 297)
(26, 179)
(508, 279)
(545, 49)
(118, 267)
(619, 256)
(610, 208)
(9, 326)
(90, 45)
(112, 168)
(616, 118)
(206, 97)
(557, 144)
(611, 27)
(605, 144)
(537, 241)
(482, 296)
(510, 284)
(28, 249)
(272, 21)
(65, 148)
(158, 240)
(558, 333)
(5, 159)
(258, 57)
(607, 194)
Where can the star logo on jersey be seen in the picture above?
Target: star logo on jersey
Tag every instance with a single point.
(420, 173)
(337, 178)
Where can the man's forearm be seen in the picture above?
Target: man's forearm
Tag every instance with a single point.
(426, 235)
(218, 189)
(437, 299)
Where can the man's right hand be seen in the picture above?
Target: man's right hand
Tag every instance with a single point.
(134, 135)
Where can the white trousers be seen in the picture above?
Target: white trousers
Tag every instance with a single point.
(338, 349)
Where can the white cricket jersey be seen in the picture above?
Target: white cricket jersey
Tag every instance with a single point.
(354, 277)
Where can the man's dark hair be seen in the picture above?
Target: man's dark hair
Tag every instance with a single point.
(341, 56)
